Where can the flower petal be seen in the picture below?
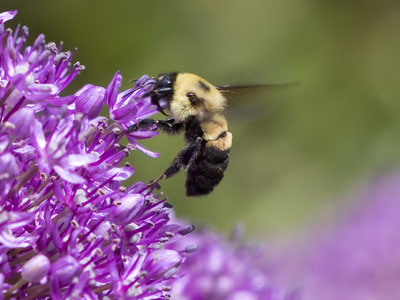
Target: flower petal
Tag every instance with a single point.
(7, 15)
(120, 173)
(77, 160)
(69, 176)
(144, 150)
(112, 89)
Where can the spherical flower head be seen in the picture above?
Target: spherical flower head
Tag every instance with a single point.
(356, 257)
(69, 228)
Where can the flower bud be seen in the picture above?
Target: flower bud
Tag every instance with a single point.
(128, 208)
(64, 270)
(90, 100)
(22, 123)
(8, 167)
(35, 268)
(162, 263)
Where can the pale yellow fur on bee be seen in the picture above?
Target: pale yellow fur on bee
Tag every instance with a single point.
(213, 126)
(222, 144)
(182, 109)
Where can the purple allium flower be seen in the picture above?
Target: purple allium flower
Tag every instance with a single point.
(68, 226)
(358, 257)
(225, 270)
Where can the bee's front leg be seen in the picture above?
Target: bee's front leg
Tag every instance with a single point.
(142, 124)
(169, 125)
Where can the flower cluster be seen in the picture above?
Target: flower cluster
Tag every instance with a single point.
(356, 258)
(68, 227)
(226, 270)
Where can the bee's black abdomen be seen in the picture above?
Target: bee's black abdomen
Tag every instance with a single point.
(206, 171)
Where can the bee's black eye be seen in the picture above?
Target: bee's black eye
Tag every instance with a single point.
(193, 98)
(164, 82)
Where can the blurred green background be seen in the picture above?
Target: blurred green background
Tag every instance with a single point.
(309, 146)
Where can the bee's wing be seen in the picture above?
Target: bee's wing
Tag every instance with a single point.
(232, 90)
(248, 101)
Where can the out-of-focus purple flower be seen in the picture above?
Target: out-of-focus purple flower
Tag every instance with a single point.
(224, 270)
(356, 258)
(68, 226)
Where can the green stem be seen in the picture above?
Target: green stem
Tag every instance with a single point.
(9, 293)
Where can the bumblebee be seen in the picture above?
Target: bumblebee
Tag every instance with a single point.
(197, 108)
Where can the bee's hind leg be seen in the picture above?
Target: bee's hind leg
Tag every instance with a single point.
(182, 159)
(155, 181)
(174, 168)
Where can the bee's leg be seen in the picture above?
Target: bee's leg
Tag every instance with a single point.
(169, 126)
(174, 168)
(142, 124)
(183, 158)
(194, 152)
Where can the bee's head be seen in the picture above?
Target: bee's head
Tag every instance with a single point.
(187, 95)
(163, 89)
(193, 96)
